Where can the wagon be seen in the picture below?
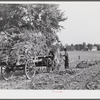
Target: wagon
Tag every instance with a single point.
(29, 66)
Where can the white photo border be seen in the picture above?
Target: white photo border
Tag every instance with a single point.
(47, 94)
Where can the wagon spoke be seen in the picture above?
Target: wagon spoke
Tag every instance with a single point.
(29, 70)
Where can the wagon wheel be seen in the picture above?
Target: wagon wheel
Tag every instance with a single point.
(30, 69)
(6, 72)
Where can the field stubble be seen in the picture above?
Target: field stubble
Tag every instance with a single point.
(72, 78)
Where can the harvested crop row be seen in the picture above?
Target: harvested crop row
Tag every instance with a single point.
(79, 80)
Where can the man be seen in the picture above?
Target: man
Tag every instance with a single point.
(66, 59)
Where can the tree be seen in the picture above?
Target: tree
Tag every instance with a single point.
(84, 46)
(23, 23)
(44, 18)
(77, 47)
(72, 47)
(90, 46)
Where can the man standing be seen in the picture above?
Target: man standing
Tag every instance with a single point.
(66, 59)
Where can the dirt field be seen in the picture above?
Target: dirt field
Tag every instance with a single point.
(84, 55)
(72, 78)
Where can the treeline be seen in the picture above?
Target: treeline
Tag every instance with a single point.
(81, 47)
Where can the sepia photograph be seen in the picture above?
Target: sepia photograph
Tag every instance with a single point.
(50, 46)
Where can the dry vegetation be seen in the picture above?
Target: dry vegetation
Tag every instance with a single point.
(86, 77)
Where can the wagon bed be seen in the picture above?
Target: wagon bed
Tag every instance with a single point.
(29, 66)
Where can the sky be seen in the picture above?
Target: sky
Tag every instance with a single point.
(83, 23)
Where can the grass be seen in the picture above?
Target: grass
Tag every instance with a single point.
(84, 55)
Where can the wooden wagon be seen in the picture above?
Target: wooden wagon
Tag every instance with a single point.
(28, 65)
